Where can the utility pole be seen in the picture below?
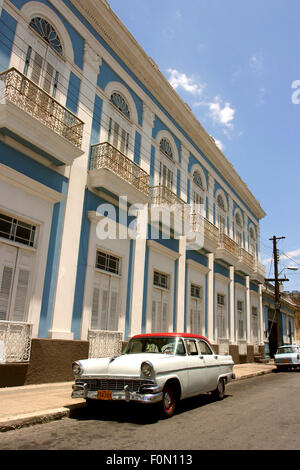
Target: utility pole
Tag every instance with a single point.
(276, 280)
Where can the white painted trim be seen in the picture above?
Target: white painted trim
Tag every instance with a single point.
(157, 247)
(29, 185)
(197, 266)
(222, 278)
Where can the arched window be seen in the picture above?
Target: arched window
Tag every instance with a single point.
(197, 179)
(238, 219)
(47, 32)
(120, 103)
(220, 202)
(166, 148)
(221, 213)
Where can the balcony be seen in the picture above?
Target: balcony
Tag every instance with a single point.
(177, 212)
(210, 232)
(259, 272)
(228, 250)
(32, 117)
(112, 171)
(245, 263)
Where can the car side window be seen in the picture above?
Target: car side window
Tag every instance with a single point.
(191, 347)
(204, 348)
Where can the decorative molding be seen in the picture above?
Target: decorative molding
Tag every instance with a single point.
(92, 58)
(155, 246)
(29, 185)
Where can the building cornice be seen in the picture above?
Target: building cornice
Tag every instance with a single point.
(106, 23)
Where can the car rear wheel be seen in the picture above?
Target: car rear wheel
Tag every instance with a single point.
(219, 392)
(168, 404)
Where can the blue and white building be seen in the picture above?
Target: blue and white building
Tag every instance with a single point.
(86, 117)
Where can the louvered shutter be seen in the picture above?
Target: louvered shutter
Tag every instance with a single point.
(113, 307)
(8, 255)
(21, 286)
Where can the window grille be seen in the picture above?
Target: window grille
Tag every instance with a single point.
(197, 179)
(118, 101)
(16, 230)
(196, 291)
(220, 202)
(221, 300)
(108, 263)
(166, 148)
(161, 280)
(47, 32)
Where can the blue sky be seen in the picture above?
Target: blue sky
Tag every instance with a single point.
(234, 63)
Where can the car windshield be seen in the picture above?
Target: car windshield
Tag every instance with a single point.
(288, 349)
(156, 345)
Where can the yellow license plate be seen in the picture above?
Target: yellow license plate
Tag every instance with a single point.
(104, 395)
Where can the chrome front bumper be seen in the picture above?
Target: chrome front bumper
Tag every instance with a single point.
(81, 391)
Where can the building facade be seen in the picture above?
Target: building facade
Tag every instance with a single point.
(279, 328)
(90, 130)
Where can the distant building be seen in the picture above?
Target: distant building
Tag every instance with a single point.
(278, 329)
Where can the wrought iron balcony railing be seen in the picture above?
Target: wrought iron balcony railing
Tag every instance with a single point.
(105, 155)
(228, 244)
(165, 197)
(24, 93)
(211, 232)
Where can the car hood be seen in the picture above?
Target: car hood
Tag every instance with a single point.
(126, 364)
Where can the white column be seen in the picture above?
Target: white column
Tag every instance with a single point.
(1, 6)
(137, 287)
(248, 311)
(184, 173)
(230, 234)
(261, 317)
(210, 298)
(232, 306)
(148, 122)
(66, 278)
(181, 284)
(211, 183)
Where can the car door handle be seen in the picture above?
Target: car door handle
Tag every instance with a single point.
(201, 357)
(216, 357)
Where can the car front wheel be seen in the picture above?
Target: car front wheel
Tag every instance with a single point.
(219, 392)
(168, 404)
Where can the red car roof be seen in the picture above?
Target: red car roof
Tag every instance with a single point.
(183, 335)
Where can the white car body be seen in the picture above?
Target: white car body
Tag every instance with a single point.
(287, 356)
(122, 377)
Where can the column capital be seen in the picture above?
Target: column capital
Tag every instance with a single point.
(148, 116)
(91, 57)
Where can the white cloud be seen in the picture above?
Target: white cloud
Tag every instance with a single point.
(181, 80)
(219, 144)
(256, 63)
(286, 256)
(222, 114)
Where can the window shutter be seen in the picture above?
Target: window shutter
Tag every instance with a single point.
(95, 309)
(113, 308)
(5, 291)
(48, 78)
(18, 313)
(36, 68)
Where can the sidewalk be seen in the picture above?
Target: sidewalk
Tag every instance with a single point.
(32, 404)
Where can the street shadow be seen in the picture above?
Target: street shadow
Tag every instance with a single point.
(135, 413)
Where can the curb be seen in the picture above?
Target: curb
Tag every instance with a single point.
(41, 417)
(253, 374)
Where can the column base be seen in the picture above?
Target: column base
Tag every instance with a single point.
(60, 335)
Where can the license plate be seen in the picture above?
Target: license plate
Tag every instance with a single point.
(104, 395)
(286, 361)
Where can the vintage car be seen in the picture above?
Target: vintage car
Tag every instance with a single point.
(287, 356)
(155, 368)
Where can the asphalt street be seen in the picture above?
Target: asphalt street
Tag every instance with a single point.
(260, 413)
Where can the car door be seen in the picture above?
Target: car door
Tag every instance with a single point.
(196, 369)
(212, 365)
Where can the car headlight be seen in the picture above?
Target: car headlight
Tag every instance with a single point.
(77, 369)
(147, 368)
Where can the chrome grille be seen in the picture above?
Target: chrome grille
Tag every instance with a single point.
(114, 384)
